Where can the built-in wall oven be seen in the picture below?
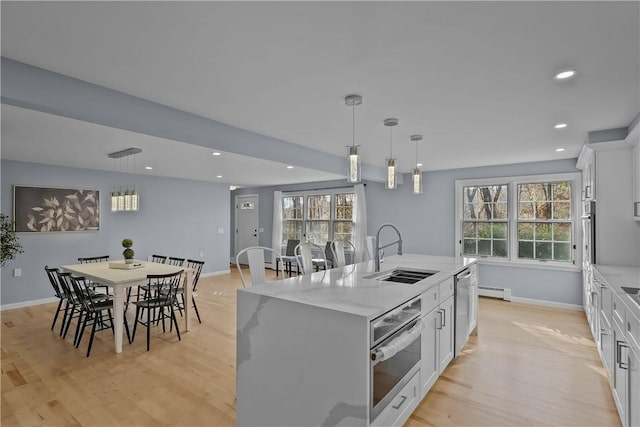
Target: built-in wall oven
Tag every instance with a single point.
(395, 353)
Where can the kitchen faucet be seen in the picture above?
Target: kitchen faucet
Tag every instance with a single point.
(378, 247)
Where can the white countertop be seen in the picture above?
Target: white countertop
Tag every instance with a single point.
(617, 277)
(346, 290)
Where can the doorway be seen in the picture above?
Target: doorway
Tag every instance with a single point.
(247, 220)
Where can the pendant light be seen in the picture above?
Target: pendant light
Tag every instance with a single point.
(392, 178)
(355, 174)
(417, 171)
(127, 199)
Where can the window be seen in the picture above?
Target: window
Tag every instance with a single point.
(343, 217)
(317, 217)
(519, 219)
(544, 221)
(292, 209)
(484, 222)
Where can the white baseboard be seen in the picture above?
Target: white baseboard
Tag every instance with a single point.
(547, 303)
(27, 303)
(216, 273)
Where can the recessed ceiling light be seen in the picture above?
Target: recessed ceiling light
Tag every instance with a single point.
(560, 126)
(559, 149)
(148, 168)
(289, 167)
(218, 176)
(419, 165)
(216, 153)
(565, 74)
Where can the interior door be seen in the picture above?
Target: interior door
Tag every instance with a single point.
(247, 215)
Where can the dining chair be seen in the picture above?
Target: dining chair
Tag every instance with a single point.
(92, 313)
(196, 266)
(73, 306)
(338, 250)
(178, 262)
(94, 259)
(52, 274)
(87, 260)
(305, 255)
(255, 257)
(161, 303)
(289, 257)
(160, 259)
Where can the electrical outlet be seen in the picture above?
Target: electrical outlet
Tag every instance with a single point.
(201, 254)
(17, 272)
(220, 230)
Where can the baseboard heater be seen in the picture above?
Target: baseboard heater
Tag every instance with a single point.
(501, 293)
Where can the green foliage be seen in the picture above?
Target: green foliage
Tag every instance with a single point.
(127, 243)
(128, 253)
(11, 246)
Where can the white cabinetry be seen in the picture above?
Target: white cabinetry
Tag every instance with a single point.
(446, 341)
(616, 233)
(437, 337)
(619, 347)
(473, 301)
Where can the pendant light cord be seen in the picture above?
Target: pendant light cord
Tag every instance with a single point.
(353, 124)
(391, 142)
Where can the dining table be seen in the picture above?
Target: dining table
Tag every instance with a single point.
(121, 279)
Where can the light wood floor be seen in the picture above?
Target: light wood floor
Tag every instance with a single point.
(529, 366)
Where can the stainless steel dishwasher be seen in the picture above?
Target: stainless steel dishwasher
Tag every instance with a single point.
(462, 289)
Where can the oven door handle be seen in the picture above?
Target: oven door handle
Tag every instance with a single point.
(397, 344)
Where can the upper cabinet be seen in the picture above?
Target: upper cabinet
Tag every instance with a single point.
(610, 181)
(636, 180)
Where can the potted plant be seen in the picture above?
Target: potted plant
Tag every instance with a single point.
(11, 247)
(128, 253)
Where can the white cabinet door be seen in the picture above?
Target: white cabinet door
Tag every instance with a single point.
(430, 363)
(633, 391)
(619, 371)
(636, 173)
(473, 299)
(606, 346)
(446, 342)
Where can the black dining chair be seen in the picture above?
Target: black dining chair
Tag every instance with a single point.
(160, 259)
(73, 306)
(52, 274)
(161, 302)
(178, 262)
(95, 259)
(289, 258)
(196, 266)
(92, 313)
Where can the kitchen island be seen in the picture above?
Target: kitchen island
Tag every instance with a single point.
(304, 343)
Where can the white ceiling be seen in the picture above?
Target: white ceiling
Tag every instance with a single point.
(475, 78)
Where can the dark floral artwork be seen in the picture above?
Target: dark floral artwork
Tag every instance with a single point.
(41, 210)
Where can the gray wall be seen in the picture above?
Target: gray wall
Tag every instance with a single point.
(427, 223)
(176, 218)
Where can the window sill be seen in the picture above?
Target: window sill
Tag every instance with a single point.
(533, 265)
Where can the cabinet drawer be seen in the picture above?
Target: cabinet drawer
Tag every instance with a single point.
(430, 299)
(633, 331)
(605, 300)
(401, 407)
(446, 289)
(618, 312)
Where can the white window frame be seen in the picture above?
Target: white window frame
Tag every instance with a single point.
(512, 222)
(332, 192)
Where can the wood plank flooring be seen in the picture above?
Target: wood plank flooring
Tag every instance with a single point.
(528, 366)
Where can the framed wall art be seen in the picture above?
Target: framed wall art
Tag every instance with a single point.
(50, 209)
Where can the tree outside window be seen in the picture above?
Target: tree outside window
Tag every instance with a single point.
(544, 221)
(485, 220)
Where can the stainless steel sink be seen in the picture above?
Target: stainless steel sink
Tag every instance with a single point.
(634, 293)
(401, 275)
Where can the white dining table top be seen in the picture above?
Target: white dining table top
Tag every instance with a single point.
(101, 272)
